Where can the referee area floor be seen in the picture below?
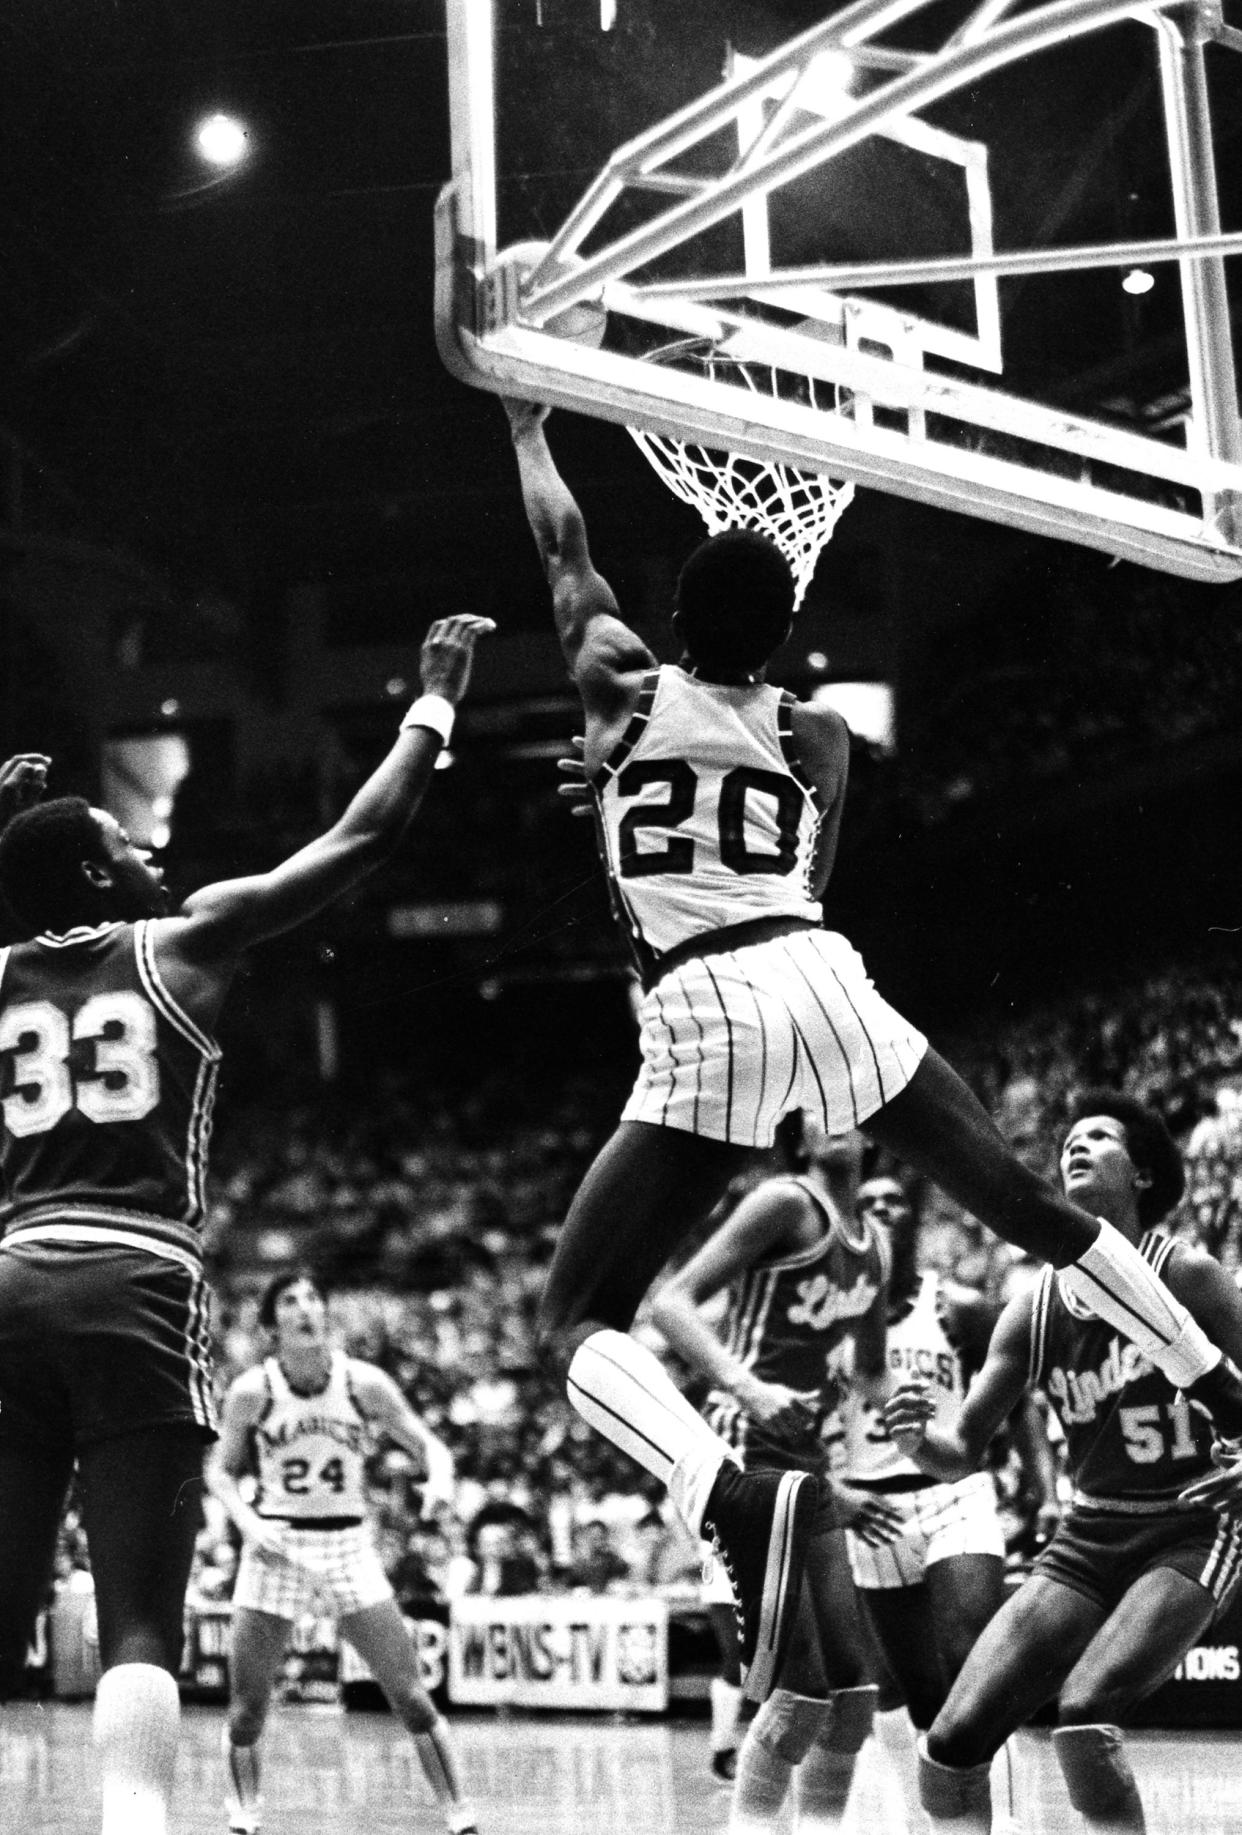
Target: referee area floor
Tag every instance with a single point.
(332, 1773)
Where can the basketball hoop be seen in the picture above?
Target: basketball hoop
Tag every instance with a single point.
(795, 508)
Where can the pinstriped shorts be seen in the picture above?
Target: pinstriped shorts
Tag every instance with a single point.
(941, 1521)
(331, 1571)
(732, 1041)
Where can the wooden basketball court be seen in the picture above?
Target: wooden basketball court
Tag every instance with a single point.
(332, 1773)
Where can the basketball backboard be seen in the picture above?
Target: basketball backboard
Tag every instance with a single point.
(818, 213)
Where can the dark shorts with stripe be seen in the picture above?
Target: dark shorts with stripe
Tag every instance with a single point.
(98, 1341)
(1101, 1553)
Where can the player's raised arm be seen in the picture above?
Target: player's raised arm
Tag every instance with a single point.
(598, 645)
(222, 919)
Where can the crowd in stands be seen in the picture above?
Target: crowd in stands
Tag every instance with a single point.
(433, 1221)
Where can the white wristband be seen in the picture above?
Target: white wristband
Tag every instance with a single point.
(434, 711)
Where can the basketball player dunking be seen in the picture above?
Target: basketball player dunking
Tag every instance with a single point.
(107, 1071)
(720, 800)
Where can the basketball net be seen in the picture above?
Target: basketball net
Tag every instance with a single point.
(794, 508)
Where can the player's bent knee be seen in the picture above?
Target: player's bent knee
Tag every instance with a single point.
(415, 1710)
(246, 1722)
(853, 1711)
(952, 1742)
(954, 1793)
(787, 1724)
(1095, 1768)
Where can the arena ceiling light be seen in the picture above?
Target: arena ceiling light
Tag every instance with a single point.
(222, 140)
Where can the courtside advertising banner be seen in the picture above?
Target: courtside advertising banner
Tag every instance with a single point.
(559, 1652)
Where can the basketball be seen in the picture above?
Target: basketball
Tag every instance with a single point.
(585, 322)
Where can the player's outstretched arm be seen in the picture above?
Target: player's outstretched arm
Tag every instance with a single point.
(222, 919)
(953, 1453)
(598, 646)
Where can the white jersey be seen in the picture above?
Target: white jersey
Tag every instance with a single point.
(917, 1346)
(707, 819)
(311, 1449)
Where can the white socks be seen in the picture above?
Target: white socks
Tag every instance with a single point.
(137, 1716)
(823, 1779)
(726, 1699)
(897, 1740)
(1112, 1280)
(625, 1393)
(242, 1763)
(778, 1739)
(439, 1763)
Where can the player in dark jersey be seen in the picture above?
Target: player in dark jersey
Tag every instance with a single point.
(806, 1308)
(1141, 1562)
(107, 1069)
(718, 853)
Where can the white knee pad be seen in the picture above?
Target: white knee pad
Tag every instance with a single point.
(853, 1710)
(1097, 1774)
(787, 1724)
(960, 1794)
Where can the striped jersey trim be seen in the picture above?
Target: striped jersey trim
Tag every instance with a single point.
(95, 1224)
(633, 732)
(1159, 1504)
(1223, 1568)
(198, 1133)
(789, 749)
(153, 982)
(80, 933)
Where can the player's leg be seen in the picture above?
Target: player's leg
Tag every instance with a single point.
(33, 1482)
(725, 1687)
(784, 1728)
(1017, 1664)
(937, 1125)
(379, 1635)
(964, 1592)
(259, 1642)
(1136, 1649)
(823, 1777)
(905, 1629)
(142, 1508)
(647, 1189)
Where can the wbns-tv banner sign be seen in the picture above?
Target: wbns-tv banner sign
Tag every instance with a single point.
(557, 1652)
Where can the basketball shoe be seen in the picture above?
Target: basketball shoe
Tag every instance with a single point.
(759, 1524)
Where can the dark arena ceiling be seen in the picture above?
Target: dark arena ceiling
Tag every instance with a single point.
(235, 376)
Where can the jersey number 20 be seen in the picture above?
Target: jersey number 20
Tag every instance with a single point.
(123, 1084)
(683, 783)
